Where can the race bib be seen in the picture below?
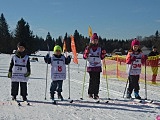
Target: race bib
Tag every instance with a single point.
(94, 61)
(136, 64)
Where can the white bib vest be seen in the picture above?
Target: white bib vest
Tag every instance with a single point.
(58, 68)
(94, 59)
(19, 69)
(135, 67)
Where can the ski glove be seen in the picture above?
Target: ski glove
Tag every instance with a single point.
(133, 58)
(69, 58)
(47, 59)
(9, 74)
(145, 57)
(27, 74)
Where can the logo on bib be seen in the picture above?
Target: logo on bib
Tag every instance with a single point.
(59, 68)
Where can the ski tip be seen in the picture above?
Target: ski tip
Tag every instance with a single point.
(107, 101)
(98, 101)
(151, 101)
(71, 101)
(54, 102)
(19, 104)
(81, 98)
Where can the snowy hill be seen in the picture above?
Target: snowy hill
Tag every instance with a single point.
(118, 108)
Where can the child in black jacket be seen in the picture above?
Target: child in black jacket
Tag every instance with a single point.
(19, 71)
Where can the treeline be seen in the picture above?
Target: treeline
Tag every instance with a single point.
(22, 32)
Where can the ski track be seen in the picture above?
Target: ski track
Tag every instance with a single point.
(43, 109)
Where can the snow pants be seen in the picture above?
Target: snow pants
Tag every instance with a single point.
(133, 83)
(56, 86)
(94, 82)
(15, 88)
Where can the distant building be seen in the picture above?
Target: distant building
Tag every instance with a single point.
(118, 52)
(145, 50)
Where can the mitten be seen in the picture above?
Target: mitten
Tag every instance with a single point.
(103, 54)
(145, 57)
(27, 74)
(9, 74)
(133, 58)
(103, 51)
(69, 58)
(46, 58)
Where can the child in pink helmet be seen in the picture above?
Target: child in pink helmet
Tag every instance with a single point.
(94, 54)
(134, 59)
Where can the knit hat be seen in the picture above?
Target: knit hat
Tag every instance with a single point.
(154, 47)
(57, 47)
(21, 44)
(94, 36)
(135, 42)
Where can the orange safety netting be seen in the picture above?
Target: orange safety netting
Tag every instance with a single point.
(116, 68)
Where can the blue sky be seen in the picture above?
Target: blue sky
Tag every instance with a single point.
(121, 19)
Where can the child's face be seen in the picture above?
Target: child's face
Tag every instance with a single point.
(57, 52)
(154, 49)
(135, 47)
(94, 41)
(21, 48)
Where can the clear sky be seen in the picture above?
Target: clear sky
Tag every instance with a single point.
(121, 19)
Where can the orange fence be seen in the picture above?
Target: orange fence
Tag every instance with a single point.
(116, 68)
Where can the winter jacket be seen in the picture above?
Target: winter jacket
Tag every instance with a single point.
(152, 53)
(20, 55)
(94, 49)
(134, 61)
(48, 58)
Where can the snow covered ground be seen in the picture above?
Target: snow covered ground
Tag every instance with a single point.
(41, 109)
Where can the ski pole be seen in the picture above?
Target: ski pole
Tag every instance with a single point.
(127, 80)
(46, 73)
(69, 87)
(145, 81)
(84, 79)
(107, 82)
(125, 87)
(69, 80)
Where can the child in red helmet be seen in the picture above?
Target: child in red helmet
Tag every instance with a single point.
(134, 60)
(94, 54)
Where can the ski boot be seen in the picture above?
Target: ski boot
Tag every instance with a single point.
(24, 98)
(60, 96)
(13, 97)
(137, 95)
(96, 96)
(90, 95)
(52, 96)
(128, 95)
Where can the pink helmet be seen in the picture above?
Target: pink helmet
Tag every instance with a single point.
(94, 36)
(135, 42)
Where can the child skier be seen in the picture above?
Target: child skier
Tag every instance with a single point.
(134, 60)
(94, 54)
(19, 71)
(58, 70)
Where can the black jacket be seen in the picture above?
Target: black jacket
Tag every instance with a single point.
(20, 55)
(152, 53)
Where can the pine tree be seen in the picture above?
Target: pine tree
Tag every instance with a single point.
(5, 38)
(24, 34)
(49, 42)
